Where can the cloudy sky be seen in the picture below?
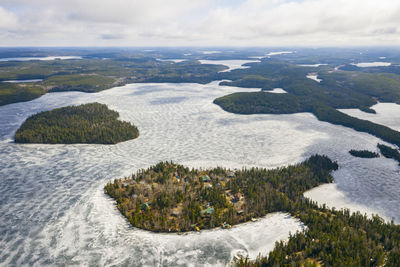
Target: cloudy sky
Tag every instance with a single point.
(199, 22)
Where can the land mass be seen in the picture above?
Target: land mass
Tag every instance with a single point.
(266, 103)
(90, 123)
(389, 152)
(94, 74)
(169, 197)
(363, 154)
(336, 89)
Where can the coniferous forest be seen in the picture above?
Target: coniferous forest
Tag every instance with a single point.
(90, 123)
(363, 154)
(169, 197)
(389, 152)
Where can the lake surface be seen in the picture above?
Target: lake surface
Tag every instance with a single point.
(314, 77)
(231, 64)
(177, 60)
(39, 58)
(386, 114)
(276, 91)
(279, 53)
(54, 212)
(312, 65)
(23, 81)
(372, 64)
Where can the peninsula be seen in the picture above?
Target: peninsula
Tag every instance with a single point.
(169, 197)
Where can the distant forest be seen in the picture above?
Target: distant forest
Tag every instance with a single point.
(90, 123)
(267, 103)
(95, 74)
(338, 89)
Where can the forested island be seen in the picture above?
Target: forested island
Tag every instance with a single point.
(363, 154)
(91, 123)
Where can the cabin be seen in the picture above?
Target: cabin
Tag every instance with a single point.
(206, 178)
(195, 227)
(226, 226)
(236, 197)
(176, 213)
(208, 211)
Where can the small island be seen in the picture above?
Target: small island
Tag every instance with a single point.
(390, 153)
(169, 197)
(91, 123)
(363, 154)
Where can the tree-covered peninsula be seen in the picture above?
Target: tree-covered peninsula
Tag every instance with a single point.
(389, 152)
(170, 197)
(334, 238)
(266, 103)
(90, 123)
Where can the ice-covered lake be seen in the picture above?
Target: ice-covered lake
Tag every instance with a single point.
(314, 77)
(23, 81)
(39, 58)
(232, 64)
(371, 64)
(53, 210)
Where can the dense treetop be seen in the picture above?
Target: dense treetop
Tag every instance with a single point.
(90, 123)
(171, 197)
(363, 153)
(389, 152)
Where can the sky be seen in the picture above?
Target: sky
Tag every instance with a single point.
(199, 22)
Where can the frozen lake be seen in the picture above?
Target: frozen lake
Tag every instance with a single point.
(54, 212)
(279, 53)
(314, 77)
(231, 64)
(312, 65)
(372, 64)
(386, 114)
(276, 91)
(23, 81)
(39, 58)
(177, 60)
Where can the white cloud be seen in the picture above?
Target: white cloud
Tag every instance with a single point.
(202, 22)
(8, 20)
